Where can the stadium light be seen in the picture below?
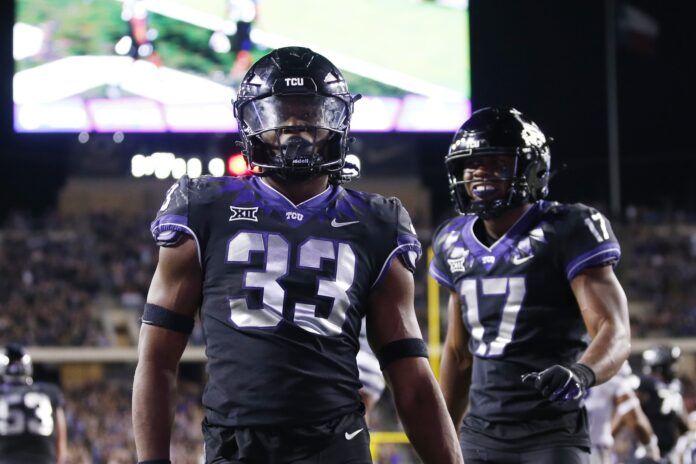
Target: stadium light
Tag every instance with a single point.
(138, 165)
(237, 165)
(163, 162)
(178, 168)
(216, 167)
(194, 168)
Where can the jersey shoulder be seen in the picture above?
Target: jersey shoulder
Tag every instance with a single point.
(582, 236)
(565, 213)
(51, 390)
(185, 198)
(447, 233)
(381, 208)
(387, 219)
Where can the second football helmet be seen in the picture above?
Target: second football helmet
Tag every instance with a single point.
(15, 365)
(493, 132)
(293, 112)
(660, 360)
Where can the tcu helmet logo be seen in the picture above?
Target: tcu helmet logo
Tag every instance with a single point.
(466, 143)
(294, 215)
(294, 81)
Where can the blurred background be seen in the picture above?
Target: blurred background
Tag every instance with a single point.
(104, 103)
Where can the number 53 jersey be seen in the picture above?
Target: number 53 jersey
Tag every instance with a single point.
(27, 422)
(517, 303)
(285, 288)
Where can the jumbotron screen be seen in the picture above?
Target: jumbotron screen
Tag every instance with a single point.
(175, 65)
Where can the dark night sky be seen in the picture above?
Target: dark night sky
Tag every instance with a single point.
(545, 57)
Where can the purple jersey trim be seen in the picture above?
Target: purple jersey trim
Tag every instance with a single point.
(269, 193)
(399, 250)
(176, 225)
(439, 276)
(602, 254)
(167, 222)
(500, 247)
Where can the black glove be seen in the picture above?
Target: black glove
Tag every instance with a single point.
(562, 383)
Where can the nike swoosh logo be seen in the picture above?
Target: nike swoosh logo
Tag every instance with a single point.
(350, 436)
(516, 260)
(342, 224)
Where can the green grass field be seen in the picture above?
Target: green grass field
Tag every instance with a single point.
(420, 39)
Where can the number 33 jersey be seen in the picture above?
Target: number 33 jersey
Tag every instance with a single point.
(517, 303)
(285, 288)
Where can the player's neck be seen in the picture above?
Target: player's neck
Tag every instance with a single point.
(297, 192)
(497, 227)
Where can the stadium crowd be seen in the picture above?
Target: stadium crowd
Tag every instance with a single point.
(61, 270)
(659, 271)
(106, 436)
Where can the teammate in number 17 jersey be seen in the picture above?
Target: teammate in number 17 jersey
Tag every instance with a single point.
(528, 280)
(284, 266)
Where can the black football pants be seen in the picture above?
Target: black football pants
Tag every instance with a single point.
(555, 455)
(345, 440)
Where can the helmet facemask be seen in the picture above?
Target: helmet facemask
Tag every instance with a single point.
(526, 181)
(295, 136)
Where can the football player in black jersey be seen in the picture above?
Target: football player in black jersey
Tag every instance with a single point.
(528, 280)
(32, 420)
(660, 394)
(284, 265)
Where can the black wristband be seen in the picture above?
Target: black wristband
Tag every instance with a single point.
(584, 373)
(167, 319)
(156, 461)
(404, 348)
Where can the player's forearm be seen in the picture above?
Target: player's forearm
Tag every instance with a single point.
(641, 427)
(427, 423)
(455, 380)
(154, 392)
(608, 350)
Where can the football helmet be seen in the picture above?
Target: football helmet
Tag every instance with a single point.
(16, 365)
(660, 360)
(293, 110)
(494, 132)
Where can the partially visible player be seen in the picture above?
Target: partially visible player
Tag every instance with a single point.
(685, 450)
(611, 407)
(32, 421)
(660, 394)
(370, 376)
(528, 279)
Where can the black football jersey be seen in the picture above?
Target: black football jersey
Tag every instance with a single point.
(284, 292)
(663, 404)
(27, 423)
(520, 311)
